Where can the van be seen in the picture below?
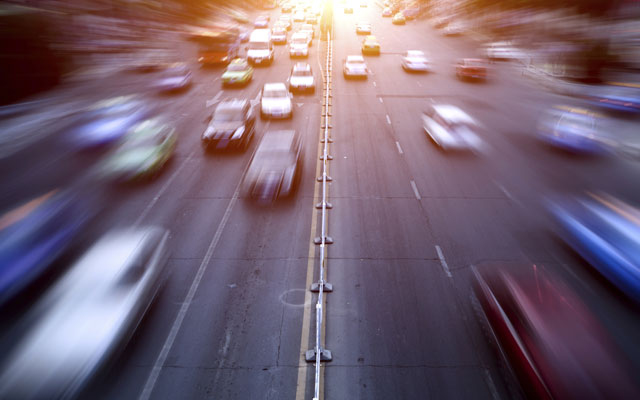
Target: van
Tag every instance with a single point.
(260, 49)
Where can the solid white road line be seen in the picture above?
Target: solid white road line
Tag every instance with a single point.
(492, 386)
(175, 328)
(443, 262)
(388, 119)
(415, 190)
(399, 148)
(162, 190)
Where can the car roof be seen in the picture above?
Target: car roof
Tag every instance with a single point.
(355, 58)
(274, 86)
(238, 61)
(277, 140)
(452, 113)
(370, 38)
(231, 104)
(415, 53)
(301, 66)
(299, 35)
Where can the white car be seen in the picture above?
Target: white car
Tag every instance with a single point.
(301, 78)
(503, 51)
(450, 128)
(308, 29)
(354, 66)
(363, 28)
(415, 60)
(298, 16)
(275, 101)
(299, 45)
(87, 316)
(279, 34)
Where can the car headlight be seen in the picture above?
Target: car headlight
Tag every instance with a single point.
(238, 133)
(225, 58)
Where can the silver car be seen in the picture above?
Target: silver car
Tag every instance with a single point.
(451, 128)
(301, 78)
(415, 61)
(275, 101)
(354, 66)
(87, 316)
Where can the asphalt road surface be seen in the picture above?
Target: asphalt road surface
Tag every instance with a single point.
(408, 221)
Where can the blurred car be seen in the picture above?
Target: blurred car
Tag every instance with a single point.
(105, 122)
(370, 45)
(298, 16)
(616, 98)
(572, 129)
(411, 12)
(232, 124)
(238, 72)
(285, 20)
(279, 34)
(286, 8)
(308, 29)
(275, 101)
(451, 128)
(605, 231)
(399, 19)
(262, 21)
(548, 337)
(363, 4)
(141, 153)
(415, 61)
(87, 316)
(387, 12)
(35, 232)
(440, 22)
(311, 18)
(502, 51)
(471, 68)
(453, 29)
(244, 35)
(276, 167)
(354, 66)
(348, 10)
(173, 78)
(363, 28)
(299, 45)
(301, 78)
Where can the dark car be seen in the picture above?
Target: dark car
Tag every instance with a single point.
(35, 232)
(276, 167)
(549, 338)
(623, 97)
(232, 125)
(606, 232)
(105, 122)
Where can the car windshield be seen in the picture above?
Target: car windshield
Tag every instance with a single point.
(299, 40)
(258, 46)
(227, 115)
(275, 93)
(301, 72)
(236, 67)
(356, 62)
(415, 54)
(577, 122)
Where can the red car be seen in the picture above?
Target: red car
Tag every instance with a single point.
(471, 68)
(553, 343)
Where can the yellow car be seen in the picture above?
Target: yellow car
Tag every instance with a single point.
(370, 45)
(399, 19)
(239, 72)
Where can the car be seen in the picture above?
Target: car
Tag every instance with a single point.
(621, 97)
(173, 78)
(238, 72)
(285, 20)
(363, 4)
(440, 22)
(354, 66)
(262, 21)
(276, 167)
(301, 78)
(232, 125)
(573, 129)
(36, 230)
(244, 35)
(87, 316)
(363, 28)
(370, 45)
(471, 68)
(141, 153)
(275, 101)
(605, 231)
(348, 10)
(308, 29)
(415, 61)
(502, 51)
(399, 19)
(450, 128)
(279, 34)
(103, 123)
(311, 18)
(298, 16)
(547, 336)
(286, 8)
(453, 29)
(299, 45)
(411, 13)
(387, 12)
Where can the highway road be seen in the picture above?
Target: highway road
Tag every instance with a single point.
(235, 315)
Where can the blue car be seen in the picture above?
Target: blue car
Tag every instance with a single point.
(617, 98)
(106, 122)
(35, 233)
(572, 129)
(605, 231)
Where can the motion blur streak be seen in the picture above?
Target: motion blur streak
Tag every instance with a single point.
(485, 201)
